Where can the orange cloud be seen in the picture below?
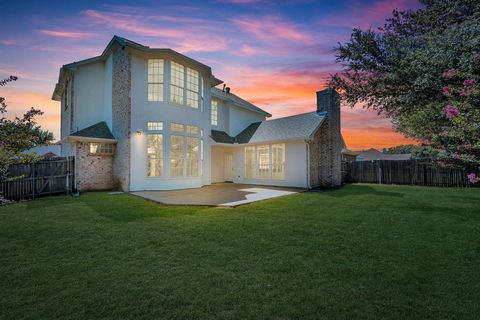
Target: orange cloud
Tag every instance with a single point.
(20, 101)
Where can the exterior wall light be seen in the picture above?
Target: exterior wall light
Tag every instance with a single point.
(139, 132)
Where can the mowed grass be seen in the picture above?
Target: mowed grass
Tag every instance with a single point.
(364, 251)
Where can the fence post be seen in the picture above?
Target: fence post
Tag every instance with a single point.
(33, 180)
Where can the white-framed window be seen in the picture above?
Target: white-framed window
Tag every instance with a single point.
(155, 79)
(176, 155)
(250, 162)
(192, 130)
(192, 156)
(265, 162)
(154, 155)
(177, 85)
(192, 88)
(214, 115)
(278, 161)
(101, 148)
(176, 127)
(155, 126)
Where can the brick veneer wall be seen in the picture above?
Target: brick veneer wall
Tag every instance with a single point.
(93, 172)
(121, 117)
(326, 145)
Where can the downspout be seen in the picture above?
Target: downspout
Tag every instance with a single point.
(309, 187)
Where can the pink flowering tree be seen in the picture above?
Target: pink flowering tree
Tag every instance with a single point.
(459, 137)
(421, 69)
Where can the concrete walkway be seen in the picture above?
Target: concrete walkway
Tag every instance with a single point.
(218, 194)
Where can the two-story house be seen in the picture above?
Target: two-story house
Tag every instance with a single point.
(140, 118)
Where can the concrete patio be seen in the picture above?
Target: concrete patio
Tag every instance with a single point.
(218, 194)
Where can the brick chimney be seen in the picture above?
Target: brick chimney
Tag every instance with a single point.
(326, 148)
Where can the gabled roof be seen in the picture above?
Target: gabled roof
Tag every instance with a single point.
(124, 43)
(98, 131)
(236, 100)
(297, 127)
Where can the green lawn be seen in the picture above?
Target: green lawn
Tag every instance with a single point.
(363, 251)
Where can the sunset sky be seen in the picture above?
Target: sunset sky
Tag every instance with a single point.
(276, 56)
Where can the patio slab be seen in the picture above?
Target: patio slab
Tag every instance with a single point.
(218, 194)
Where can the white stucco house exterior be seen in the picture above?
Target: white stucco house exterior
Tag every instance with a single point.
(140, 118)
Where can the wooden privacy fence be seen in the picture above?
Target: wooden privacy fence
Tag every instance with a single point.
(37, 179)
(413, 172)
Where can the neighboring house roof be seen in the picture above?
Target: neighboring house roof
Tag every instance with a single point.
(99, 131)
(374, 154)
(228, 96)
(135, 46)
(300, 126)
(349, 152)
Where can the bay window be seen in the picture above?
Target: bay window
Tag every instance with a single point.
(177, 85)
(185, 148)
(193, 149)
(155, 79)
(154, 155)
(192, 88)
(176, 155)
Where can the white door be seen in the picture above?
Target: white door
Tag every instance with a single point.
(228, 167)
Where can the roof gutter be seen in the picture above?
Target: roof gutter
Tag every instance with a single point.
(71, 139)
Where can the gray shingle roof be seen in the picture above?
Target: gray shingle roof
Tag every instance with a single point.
(217, 93)
(99, 130)
(222, 137)
(300, 126)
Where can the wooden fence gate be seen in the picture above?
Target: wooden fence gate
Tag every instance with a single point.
(37, 179)
(412, 172)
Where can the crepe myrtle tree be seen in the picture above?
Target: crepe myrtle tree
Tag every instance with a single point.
(421, 69)
(17, 135)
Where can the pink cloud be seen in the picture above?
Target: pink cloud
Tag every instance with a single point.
(367, 16)
(8, 42)
(67, 34)
(273, 28)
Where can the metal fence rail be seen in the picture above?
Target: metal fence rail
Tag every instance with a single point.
(37, 179)
(412, 172)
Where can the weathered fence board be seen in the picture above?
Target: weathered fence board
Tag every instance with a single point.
(412, 172)
(37, 179)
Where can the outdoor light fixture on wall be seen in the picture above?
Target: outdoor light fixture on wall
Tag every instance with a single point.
(139, 132)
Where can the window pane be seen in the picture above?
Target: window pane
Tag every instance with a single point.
(278, 161)
(263, 158)
(192, 130)
(192, 88)
(155, 80)
(192, 156)
(249, 162)
(214, 116)
(176, 82)
(155, 126)
(154, 155)
(176, 127)
(176, 156)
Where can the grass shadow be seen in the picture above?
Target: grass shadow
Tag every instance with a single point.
(360, 190)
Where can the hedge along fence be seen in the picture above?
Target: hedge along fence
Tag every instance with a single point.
(45, 177)
(412, 172)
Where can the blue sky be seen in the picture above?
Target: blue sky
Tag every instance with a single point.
(273, 53)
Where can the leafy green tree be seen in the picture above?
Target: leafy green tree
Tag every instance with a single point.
(16, 135)
(402, 149)
(44, 136)
(421, 69)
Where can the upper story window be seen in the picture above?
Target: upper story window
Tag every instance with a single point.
(176, 82)
(192, 88)
(214, 115)
(155, 79)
